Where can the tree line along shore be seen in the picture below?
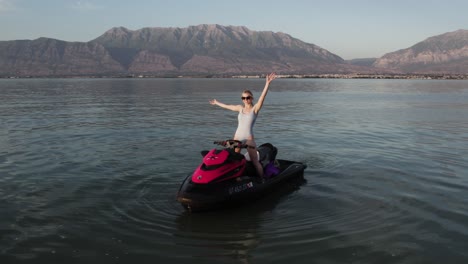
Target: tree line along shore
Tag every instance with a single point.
(253, 76)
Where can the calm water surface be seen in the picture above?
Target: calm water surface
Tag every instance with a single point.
(89, 170)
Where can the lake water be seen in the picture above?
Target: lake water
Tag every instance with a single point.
(89, 170)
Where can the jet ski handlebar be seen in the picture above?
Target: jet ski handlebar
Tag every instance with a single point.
(231, 143)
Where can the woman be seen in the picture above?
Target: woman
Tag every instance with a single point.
(247, 115)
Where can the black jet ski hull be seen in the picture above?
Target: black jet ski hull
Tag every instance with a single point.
(202, 197)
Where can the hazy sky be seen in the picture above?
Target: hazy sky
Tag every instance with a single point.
(348, 28)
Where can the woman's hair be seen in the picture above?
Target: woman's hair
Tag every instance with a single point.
(248, 92)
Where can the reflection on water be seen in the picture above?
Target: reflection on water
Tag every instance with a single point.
(89, 170)
(232, 233)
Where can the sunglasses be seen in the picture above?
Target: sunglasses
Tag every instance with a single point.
(246, 98)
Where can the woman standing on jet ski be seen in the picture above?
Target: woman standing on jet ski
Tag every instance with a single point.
(246, 120)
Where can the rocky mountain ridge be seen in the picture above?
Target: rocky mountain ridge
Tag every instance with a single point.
(207, 50)
(45, 57)
(195, 50)
(445, 53)
(213, 48)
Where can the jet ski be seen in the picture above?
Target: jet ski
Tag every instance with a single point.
(226, 177)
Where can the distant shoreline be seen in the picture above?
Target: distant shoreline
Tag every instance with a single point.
(375, 76)
(253, 76)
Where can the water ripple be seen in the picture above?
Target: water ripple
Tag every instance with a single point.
(89, 170)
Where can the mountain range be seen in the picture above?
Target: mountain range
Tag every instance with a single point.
(217, 50)
(446, 53)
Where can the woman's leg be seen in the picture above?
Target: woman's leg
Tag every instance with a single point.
(254, 158)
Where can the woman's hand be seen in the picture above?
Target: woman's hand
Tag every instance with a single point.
(270, 77)
(214, 102)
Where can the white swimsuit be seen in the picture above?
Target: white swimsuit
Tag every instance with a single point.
(245, 125)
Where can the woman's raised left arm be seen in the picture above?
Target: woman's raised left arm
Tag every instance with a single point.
(269, 78)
